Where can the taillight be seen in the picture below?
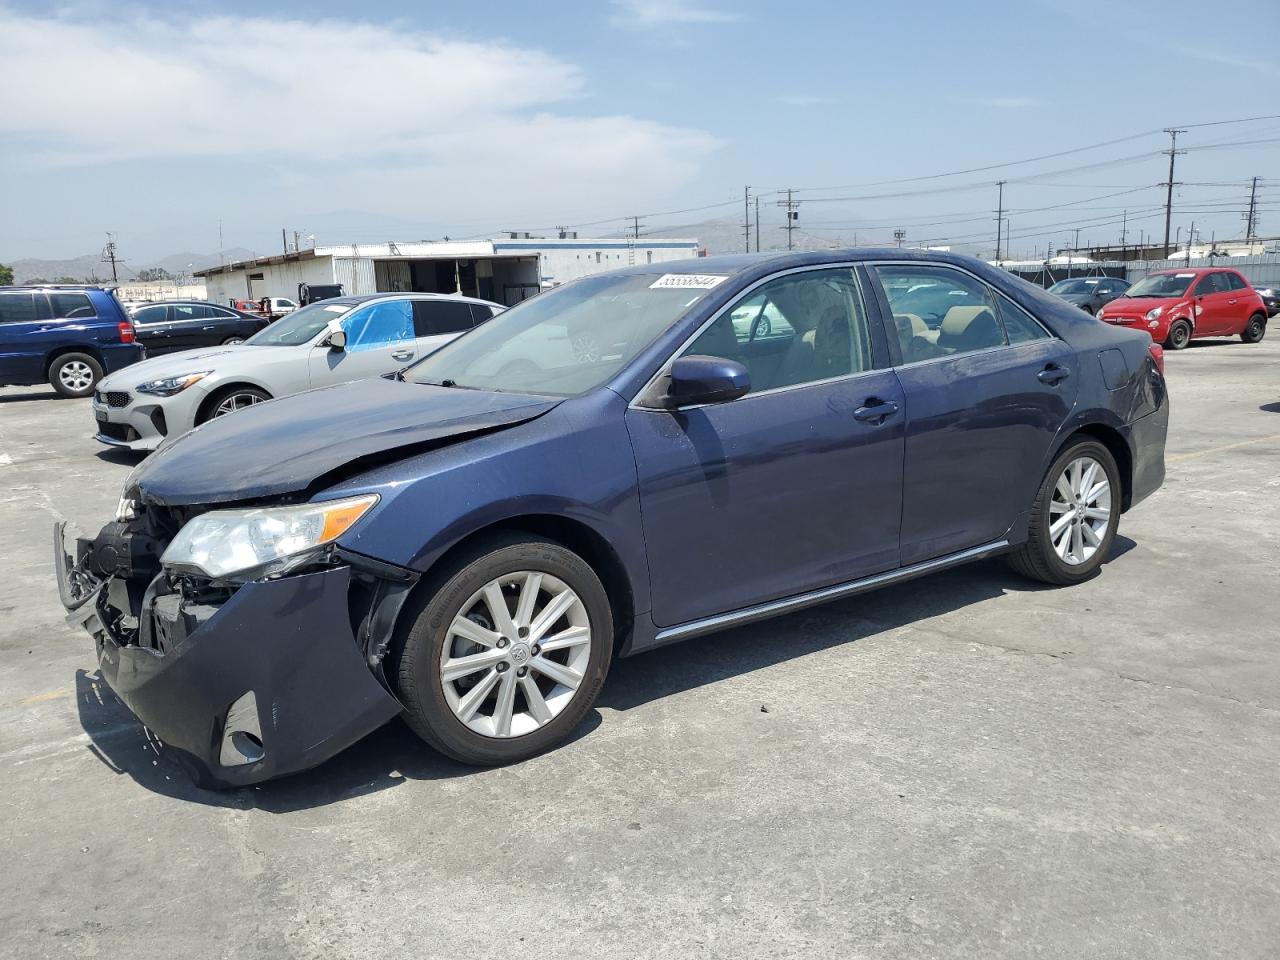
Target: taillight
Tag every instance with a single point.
(126, 332)
(1157, 354)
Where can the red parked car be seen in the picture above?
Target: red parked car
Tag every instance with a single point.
(1175, 306)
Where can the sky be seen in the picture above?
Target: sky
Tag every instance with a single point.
(415, 120)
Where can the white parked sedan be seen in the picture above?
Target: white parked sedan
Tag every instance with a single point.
(332, 341)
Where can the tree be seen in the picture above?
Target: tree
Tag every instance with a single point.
(154, 273)
(6, 276)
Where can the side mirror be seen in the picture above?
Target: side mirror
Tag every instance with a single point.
(700, 379)
(337, 340)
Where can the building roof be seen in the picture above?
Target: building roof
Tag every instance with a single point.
(454, 249)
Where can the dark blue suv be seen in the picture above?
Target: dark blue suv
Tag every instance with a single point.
(70, 337)
(622, 462)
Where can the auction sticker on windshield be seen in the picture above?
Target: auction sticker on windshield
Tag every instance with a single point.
(689, 281)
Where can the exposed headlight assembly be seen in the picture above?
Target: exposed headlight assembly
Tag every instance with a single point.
(1155, 313)
(168, 386)
(248, 544)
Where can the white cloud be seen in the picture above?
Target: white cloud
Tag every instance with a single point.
(648, 14)
(326, 99)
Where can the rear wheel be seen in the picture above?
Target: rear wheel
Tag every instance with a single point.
(507, 653)
(1255, 329)
(75, 374)
(1074, 517)
(1179, 335)
(232, 340)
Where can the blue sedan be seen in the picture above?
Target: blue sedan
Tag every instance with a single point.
(470, 542)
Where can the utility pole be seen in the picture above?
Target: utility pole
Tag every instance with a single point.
(1173, 151)
(746, 218)
(757, 224)
(221, 246)
(1251, 218)
(793, 213)
(635, 227)
(999, 216)
(899, 235)
(109, 256)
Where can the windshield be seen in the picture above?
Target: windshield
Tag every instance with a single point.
(300, 326)
(1074, 286)
(1162, 285)
(568, 340)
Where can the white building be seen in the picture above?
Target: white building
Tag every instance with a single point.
(505, 271)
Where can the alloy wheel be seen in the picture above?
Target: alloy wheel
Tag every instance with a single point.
(515, 654)
(234, 402)
(1080, 510)
(76, 375)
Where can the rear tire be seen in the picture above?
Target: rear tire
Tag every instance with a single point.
(231, 341)
(1179, 335)
(463, 716)
(1063, 507)
(1255, 329)
(75, 374)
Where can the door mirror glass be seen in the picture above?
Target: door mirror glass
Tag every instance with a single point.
(700, 379)
(337, 340)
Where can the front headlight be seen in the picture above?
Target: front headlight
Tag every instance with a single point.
(1155, 313)
(246, 544)
(168, 386)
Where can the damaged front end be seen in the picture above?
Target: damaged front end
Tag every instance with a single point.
(245, 677)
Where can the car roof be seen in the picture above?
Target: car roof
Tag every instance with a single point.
(736, 263)
(407, 295)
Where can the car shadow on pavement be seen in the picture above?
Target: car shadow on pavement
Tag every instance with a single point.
(1270, 407)
(393, 755)
(120, 455)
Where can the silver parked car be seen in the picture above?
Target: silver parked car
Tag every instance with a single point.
(333, 341)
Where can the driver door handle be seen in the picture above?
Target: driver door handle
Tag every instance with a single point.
(402, 355)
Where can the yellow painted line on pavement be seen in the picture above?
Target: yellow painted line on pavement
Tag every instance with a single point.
(46, 697)
(1225, 446)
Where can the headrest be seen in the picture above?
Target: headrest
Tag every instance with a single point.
(968, 328)
(910, 325)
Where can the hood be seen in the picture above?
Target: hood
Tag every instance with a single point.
(1076, 298)
(286, 445)
(1140, 305)
(172, 365)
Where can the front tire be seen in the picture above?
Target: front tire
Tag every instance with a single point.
(506, 652)
(231, 400)
(1074, 517)
(75, 374)
(1179, 335)
(1255, 329)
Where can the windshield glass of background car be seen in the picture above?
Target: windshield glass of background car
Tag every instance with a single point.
(301, 326)
(566, 341)
(1161, 285)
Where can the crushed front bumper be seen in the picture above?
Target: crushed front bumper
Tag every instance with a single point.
(269, 682)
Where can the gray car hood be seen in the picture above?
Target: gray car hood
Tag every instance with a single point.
(286, 445)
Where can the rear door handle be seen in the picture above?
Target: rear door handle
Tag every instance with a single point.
(1053, 374)
(875, 411)
(402, 355)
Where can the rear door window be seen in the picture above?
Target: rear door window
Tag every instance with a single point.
(150, 315)
(72, 306)
(480, 313)
(939, 312)
(431, 318)
(1019, 326)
